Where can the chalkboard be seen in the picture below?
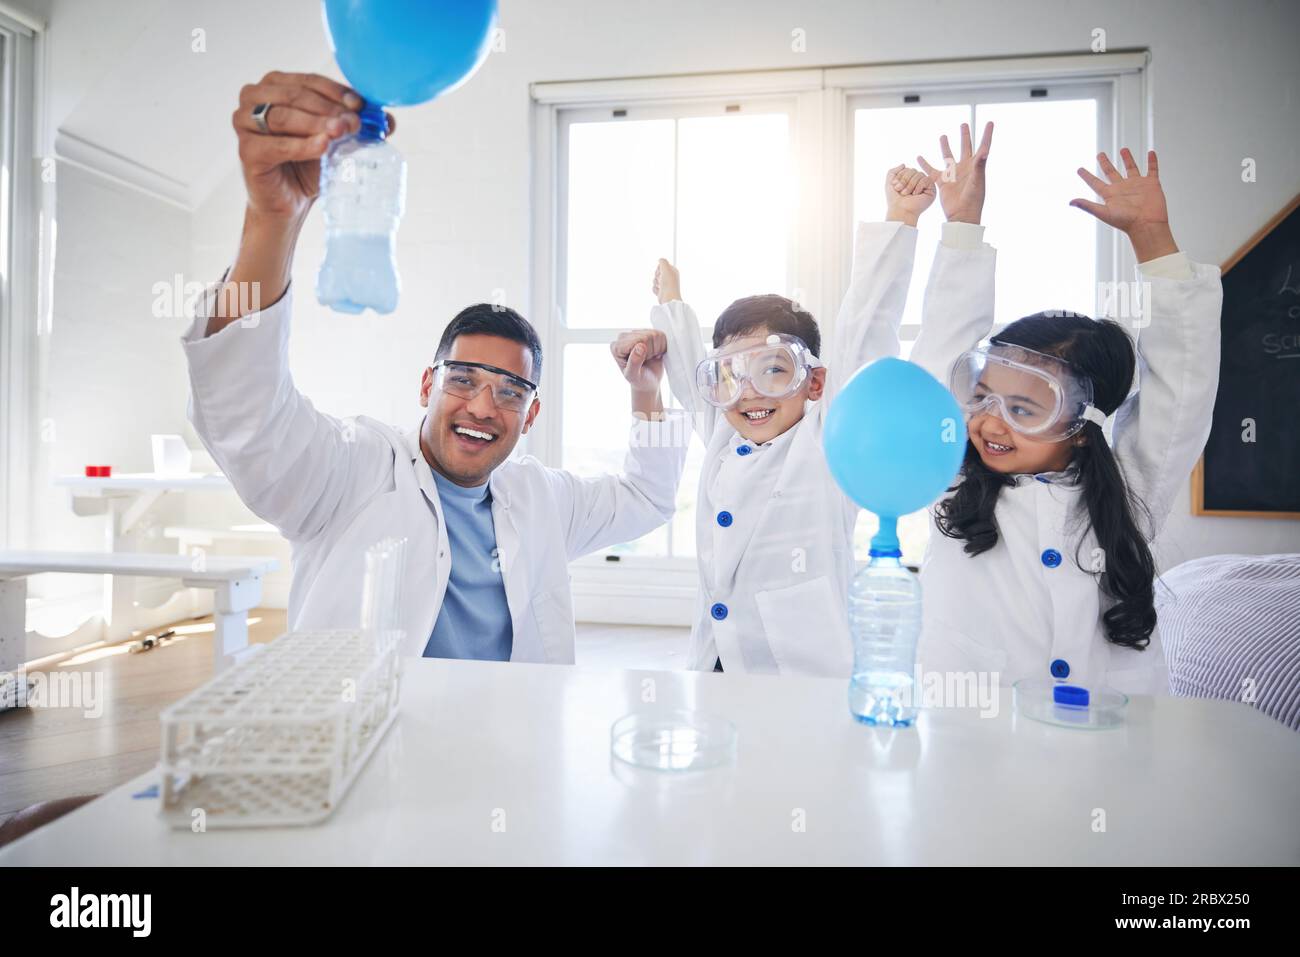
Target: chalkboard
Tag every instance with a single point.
(1251, 463)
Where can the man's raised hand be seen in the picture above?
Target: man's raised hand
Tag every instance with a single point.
(282, 167)
(640, 357)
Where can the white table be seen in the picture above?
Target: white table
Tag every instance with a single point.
(234, 580)
(480, 744)
(125, 499)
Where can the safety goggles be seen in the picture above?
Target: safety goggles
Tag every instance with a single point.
(465, 380)
(1038, 395)
(776, 369)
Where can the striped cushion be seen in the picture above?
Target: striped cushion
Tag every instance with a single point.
(1230, 625)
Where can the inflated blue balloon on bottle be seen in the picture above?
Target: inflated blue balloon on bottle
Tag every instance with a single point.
(406, 52)
(394, 53)
(894, 439)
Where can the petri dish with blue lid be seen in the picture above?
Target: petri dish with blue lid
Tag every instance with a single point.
(678, 740)
(1069, 705)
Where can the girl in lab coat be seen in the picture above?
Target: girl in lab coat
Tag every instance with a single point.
(1041, 565)
(774, 533)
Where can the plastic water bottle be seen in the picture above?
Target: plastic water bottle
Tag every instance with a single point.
(885, 623)
(363, 192)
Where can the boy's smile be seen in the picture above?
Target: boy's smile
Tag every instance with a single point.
(759, 418)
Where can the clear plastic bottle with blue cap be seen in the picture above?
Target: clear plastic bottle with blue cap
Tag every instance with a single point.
(363, 192)
(885, 624)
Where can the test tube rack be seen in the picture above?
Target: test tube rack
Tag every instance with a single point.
(278, 738)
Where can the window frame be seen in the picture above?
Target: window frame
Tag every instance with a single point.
(591, 335)
(24, 250)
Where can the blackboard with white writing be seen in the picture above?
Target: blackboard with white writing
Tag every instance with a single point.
(1252, 459)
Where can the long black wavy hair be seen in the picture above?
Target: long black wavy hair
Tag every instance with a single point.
(1102, 351)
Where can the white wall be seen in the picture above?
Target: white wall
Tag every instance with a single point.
(109, 377)
(1224, 79)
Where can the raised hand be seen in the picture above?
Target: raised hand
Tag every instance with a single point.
(667, 284)
(1132, 203)
(640, 357)
(908, 194)
(961, 181)
(282, 166)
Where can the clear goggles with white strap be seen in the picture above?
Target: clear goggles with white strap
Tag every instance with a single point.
(1038, 395)
(777, 369)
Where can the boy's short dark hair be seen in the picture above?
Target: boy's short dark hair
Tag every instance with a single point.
(776, 314)
(489, 319)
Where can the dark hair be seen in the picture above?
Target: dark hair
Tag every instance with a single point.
(491, 319)
(1102, 351)
(775, 313)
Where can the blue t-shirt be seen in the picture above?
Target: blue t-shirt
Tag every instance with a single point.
(475, 620)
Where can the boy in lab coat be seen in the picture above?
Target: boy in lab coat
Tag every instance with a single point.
(774, 533)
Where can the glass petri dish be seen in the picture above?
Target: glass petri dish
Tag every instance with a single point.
(1067, 705)
(673, 740)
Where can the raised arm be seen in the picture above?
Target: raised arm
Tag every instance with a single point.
(612, 509)
(866, 326)
(958, 308)
(293, 466)
(1160, 430)
(685, 345)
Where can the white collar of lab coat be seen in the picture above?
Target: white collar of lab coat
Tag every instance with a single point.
(1069, 476)
(499, 489)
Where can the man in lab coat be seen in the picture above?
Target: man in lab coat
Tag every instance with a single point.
(489, 538)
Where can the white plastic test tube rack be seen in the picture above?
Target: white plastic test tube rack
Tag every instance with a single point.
(278, 738)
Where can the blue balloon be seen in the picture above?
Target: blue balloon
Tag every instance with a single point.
(404, 52)
(894, 438)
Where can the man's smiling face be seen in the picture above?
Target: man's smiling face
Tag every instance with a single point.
(465, 439)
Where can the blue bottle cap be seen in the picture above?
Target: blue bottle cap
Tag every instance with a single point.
(374, 124)
(1071, 695)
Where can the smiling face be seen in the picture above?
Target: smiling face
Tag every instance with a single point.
(465, 439)
(759, 418)
(1028, 400)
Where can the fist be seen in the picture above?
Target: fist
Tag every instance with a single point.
(908, 193)
(667, 282)
(282, 166)
(640, 357)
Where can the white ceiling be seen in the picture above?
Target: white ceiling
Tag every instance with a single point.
(130, 95)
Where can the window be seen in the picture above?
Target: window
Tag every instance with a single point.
(1047, 250)
(709, 188)
(752, 182)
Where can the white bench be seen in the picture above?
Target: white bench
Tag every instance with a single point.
(235, 581)
(188, 536)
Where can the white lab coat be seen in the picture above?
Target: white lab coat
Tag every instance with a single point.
(335, 487)
(775, 570)
(1016, 609)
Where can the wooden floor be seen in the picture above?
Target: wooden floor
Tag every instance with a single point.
(49, 753)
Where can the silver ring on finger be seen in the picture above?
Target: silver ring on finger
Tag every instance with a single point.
(260, 113)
